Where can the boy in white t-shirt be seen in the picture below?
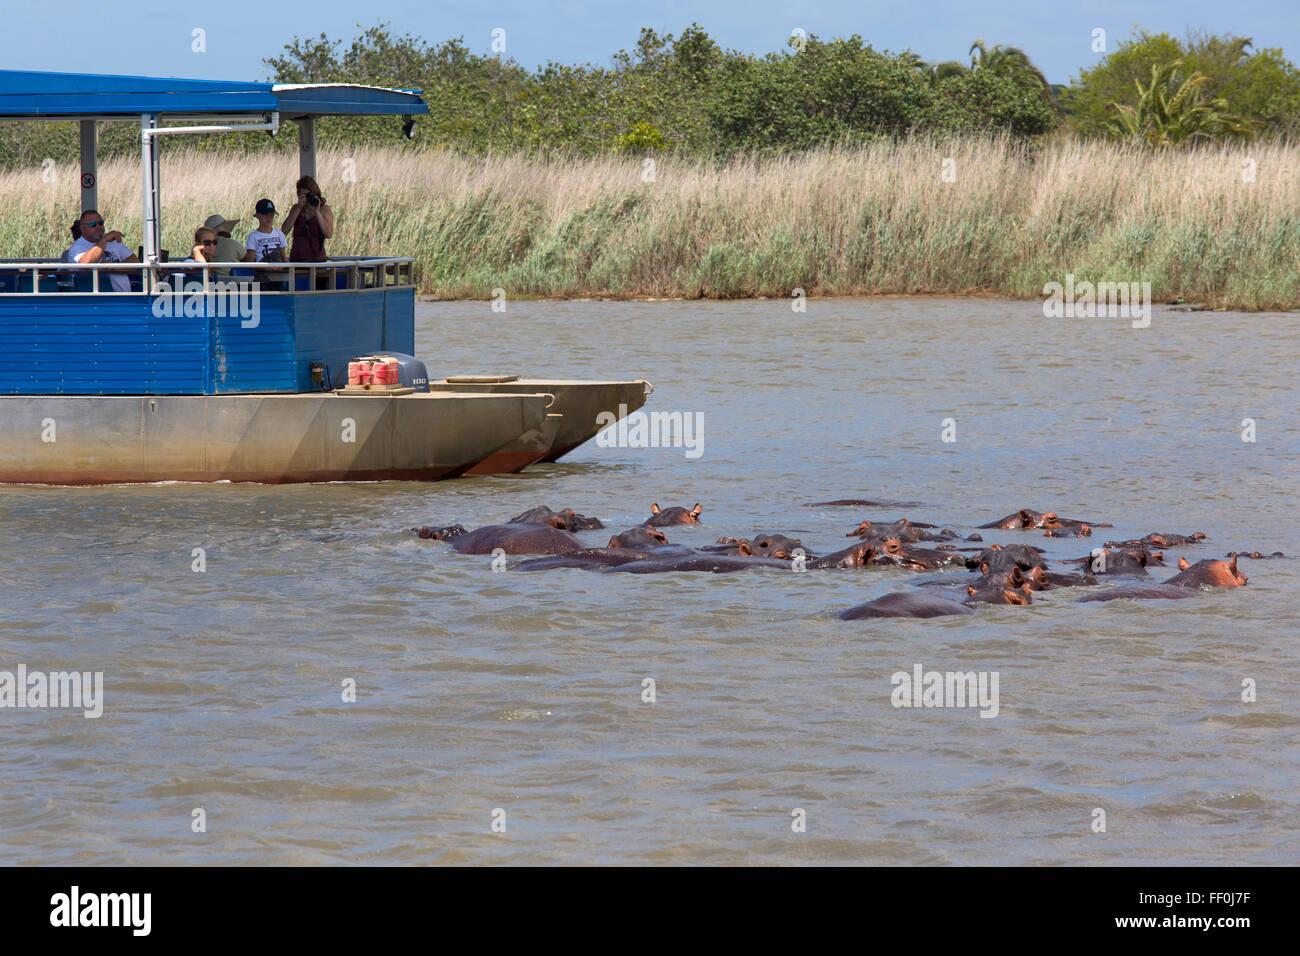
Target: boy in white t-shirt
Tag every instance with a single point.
(266, 243)
(97, 246)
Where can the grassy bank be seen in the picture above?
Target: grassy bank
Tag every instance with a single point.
(877, 219)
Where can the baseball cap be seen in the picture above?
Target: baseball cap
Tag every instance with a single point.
(265, 206)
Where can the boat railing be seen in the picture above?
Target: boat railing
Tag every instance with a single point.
(47, 277)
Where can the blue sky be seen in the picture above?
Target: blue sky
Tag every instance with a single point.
(154, 38)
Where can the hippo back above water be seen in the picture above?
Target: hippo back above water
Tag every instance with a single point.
(517, 538)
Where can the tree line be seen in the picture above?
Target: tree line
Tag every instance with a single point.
(686, 93)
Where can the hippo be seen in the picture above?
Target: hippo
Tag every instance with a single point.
(1256, 555)
(902, 604)
(660, 518)
(737, 547)
(857, 556)
(1010, 577)
(639, 539)
(1082, 531)
(440, 534)
(1052, 522)
(587, 559)
(635, 544)
(1157, 540)
(775, 546)
(997, 557)
(517, 538)
(1129, 561)
(1062, 579)
(919, 559)
(1209, 573)
(1139, 592)
(566, 519)
(904, 530)
(689, 559)
(999, 595)
(1026, 518)
(867, 529)
(767, 545)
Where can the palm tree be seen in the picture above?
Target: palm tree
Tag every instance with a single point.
(1172, 110)
(933, 72)
(1008, 61)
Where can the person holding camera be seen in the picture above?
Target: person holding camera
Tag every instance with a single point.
(310, 222)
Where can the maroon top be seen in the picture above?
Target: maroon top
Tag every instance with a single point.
(308, 240)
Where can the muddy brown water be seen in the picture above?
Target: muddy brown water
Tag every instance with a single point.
(479, 690)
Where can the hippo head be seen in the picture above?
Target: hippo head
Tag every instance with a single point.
(1212, 572)
(861, 531)
(559, 519)
(440, 534)
(639, 539)
(999, 595)
(1005, 576)
(666, 516)
(775, 546)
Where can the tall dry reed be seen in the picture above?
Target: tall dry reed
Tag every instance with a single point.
(877, 219)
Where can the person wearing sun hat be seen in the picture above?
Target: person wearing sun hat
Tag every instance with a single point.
(228, 249)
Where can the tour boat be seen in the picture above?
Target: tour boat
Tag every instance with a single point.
(265, 372)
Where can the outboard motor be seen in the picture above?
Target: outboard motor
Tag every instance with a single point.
(411, 371)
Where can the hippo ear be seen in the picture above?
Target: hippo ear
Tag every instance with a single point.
(970, 589)
(743, 548)
(654, 508)
(1182, 564)
(1232, 565)
(696, 510)
(1017, 577)
(613, 542)
(984, 567)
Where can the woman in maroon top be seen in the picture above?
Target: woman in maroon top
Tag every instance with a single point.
(309, 223)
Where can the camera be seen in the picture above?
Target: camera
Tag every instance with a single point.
(313, 199)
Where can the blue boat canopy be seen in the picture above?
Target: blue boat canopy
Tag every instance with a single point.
(37, 95)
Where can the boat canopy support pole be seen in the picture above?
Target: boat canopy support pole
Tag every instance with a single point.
(149, 171)
(89, 165)
(307, 146)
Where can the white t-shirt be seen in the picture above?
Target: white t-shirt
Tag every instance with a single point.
(263, 242)
(113, 252)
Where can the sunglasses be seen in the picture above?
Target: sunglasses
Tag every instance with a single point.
(92, 224)
(208, 242)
